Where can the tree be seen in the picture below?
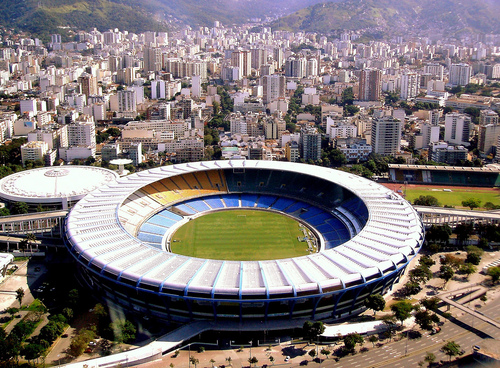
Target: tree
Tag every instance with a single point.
(229, 360)
(351, 340)
(390, 323)
(73, 297)
(420, 274)
(463, 231)
(4, 211)
(446, 273)
(313, 329)
(20, 296)
(425, 319)
(430, 303)
(471, 203)
(19, 208)
(123, 331)
(426, 200)
(451, 348)
(30, 239)
(375, 302)
(410, 288)
(194, 361)
(32, 351)
(430, 358)
(402, 310)
(253, 360)
(427, 261)
(271, 359)
(212, 361)
(373, 339)
(325, 352)
(468, 269)
(494, 273)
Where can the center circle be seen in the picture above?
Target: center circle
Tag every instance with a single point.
(243, 235)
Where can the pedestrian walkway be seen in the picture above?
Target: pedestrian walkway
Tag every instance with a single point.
(149, 352)
(479, 290)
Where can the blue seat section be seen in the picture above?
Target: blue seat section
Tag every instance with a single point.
(357, 207)
(185, 209)
(319, 219)
(324, 228)
(231, 200)
(150, 228)
(297, 206)
(169, 215)
(265, 201)
(150, 238)
(311, 212)
(282, 203)
(248, 200)
(335, 223)
(161, 221)
(197, 204)
(214, 202)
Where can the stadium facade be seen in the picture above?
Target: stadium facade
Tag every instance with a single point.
(119, 234)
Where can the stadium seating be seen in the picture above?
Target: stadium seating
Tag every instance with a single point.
(248, 200)
(214, 202)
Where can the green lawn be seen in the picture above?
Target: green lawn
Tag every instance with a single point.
(240, 235)
(456, 196)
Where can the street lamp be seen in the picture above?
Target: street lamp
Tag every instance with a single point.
(251, 341)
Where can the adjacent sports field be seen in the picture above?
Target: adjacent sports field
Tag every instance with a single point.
(240, 235)
(453, 196)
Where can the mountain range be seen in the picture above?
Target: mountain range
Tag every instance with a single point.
(378, 17)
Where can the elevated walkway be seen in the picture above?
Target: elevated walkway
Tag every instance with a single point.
(475, 291)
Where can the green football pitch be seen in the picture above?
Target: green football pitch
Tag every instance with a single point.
(240, 235)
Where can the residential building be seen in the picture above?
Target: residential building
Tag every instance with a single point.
(459, 74)
(457, 128)
(33, 151)
(386, 135)
(274, 87)
(409, 85)
(310, 143)
(370, 84)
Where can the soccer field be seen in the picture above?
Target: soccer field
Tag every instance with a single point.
(240, 235)
(456, 196)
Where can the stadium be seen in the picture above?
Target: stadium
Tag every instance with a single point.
(358, 238)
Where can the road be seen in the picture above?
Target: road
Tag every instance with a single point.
(467, 331)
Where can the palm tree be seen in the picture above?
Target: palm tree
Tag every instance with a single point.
(31, 239)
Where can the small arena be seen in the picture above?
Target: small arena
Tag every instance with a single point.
(242, 241)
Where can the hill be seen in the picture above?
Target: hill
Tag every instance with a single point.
(41, 18)
(395, 17)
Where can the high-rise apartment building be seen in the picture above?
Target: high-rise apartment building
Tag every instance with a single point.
(459, 74)
(274, 87)
(386, 135)
(409, 85)
(370, 84)
(152, 59)
(88, 83)
(435, 70)
(242, 60)
(457, 128)
(310, 143)
(295, 68)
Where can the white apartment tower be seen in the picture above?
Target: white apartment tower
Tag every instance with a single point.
(409, 85)
(457, 128)
(459, 74)
(386, 135)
